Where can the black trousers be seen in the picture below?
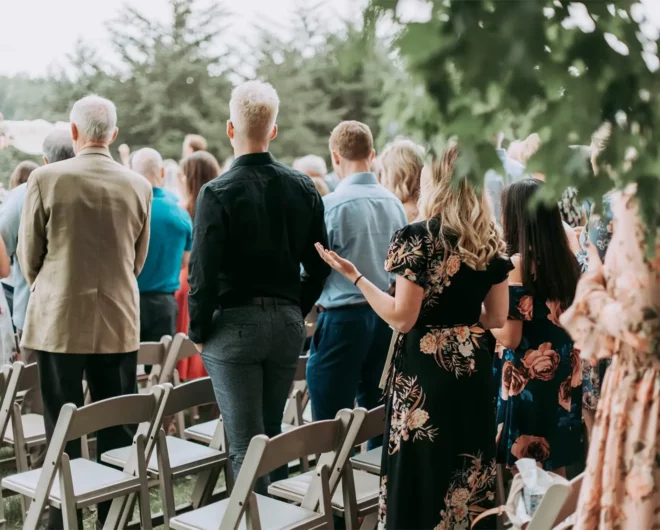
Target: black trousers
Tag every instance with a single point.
(158, 312)
(108, 375)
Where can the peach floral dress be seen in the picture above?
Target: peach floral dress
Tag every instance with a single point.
(616, 314)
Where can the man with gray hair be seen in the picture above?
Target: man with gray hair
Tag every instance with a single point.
(82, 242)
(57, 146)
(254, 227)
(169, 249)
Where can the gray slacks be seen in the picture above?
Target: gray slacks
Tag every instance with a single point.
(251, 358)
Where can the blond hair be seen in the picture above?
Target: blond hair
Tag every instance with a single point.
(253, 109)
(352, 141)
(523, 150)
(401, 168)
(461, 213)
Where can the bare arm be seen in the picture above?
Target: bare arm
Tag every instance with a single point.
(4, 260)
(510, 335)
(400, 311)
(185, 260)
(496, 306)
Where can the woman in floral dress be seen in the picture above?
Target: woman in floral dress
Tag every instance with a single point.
(616, 314)
(438, 468)
(539, 406)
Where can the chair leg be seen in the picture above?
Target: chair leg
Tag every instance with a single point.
(145, 509)
(252, 519)
(165, 479)
(69, 516)
(350, 498)
(326, 499)
(370, 522)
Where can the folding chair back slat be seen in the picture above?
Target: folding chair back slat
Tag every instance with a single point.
(570, 505)
(112, 412)
(373, 426)
(29, 377)
(313, 438)
(180, 348)
(152, 353)
(191, 394)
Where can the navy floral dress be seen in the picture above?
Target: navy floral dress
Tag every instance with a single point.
(539, 404)
(438, 467)
(598, 232)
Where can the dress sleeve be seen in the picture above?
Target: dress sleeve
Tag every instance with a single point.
(408, 254)
(521, 305)
(499, 269)
(623, 305)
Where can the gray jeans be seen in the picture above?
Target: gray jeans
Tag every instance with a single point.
(251, 358)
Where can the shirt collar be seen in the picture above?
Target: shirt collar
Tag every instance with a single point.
(159, 192)
(254, 159)
(358, 179)
(95, 151)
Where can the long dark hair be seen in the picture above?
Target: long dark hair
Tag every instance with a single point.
(199, 168)
(550, 271)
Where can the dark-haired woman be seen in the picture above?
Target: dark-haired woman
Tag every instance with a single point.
(538, 371)
(195, 171)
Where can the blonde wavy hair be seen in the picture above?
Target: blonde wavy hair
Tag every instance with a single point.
(461, 212)
(401, 167)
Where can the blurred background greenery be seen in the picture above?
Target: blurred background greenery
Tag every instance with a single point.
(440, 69)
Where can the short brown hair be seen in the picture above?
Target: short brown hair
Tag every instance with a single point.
(199, 168)
(196, 142)
(22, 173)
(352, 140)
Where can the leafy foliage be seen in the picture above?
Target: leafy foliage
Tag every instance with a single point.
(488, 65)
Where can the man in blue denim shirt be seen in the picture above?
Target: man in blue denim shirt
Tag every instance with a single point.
(350, 344)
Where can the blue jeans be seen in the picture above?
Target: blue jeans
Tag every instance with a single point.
(346, 361)
(251, 357)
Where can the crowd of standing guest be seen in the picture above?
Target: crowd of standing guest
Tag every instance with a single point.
(490, 323)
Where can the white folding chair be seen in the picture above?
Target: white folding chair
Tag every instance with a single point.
(23, 432)
(558, 503)
(153, 354)
(358, 496)
(176, 457)
(70, 485)
(333, 438)
(370, 461)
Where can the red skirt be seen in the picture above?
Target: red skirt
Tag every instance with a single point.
(192, 367)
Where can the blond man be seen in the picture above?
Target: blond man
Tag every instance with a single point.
(351, 342)
(254, 227)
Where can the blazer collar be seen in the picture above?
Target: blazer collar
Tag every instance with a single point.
(95, 151)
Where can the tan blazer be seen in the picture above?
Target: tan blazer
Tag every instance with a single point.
(82, 242)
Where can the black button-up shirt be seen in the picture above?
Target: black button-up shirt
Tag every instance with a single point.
(254, 226)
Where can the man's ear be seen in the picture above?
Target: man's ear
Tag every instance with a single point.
(162, 174)
(273, 133)
(45, 161)
(74, 132)
(372, 155)
(230, 129)
(335, 157)
(114, 135)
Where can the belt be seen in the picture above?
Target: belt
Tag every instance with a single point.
(324, 309)
(263, 301)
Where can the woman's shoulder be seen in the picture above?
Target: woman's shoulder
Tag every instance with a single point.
(516, 276)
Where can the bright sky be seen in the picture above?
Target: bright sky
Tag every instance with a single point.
(38, 34)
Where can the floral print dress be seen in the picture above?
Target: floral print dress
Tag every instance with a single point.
(617, 316)
(438, 468)
(599, 233)
(539, 404)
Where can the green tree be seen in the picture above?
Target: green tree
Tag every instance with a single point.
(323, 76)
(168, 81)
(488, 65)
